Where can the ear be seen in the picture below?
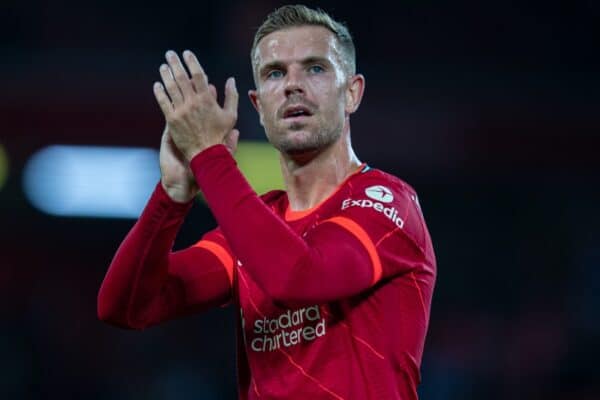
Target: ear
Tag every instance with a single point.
(253, 95)
(354, 92)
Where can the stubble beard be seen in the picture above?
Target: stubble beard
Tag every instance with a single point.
(311, 141)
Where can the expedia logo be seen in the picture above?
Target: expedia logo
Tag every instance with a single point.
(380, 193)
(390, 212)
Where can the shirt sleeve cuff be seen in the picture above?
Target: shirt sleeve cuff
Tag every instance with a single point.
(218, 151)
(161, 202)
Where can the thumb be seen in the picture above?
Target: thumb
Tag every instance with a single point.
(166, 137)
(231, 140)
(231, 97)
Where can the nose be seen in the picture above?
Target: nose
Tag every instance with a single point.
(294, 83)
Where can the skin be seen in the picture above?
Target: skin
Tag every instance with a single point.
(194, 121)
(295, 66)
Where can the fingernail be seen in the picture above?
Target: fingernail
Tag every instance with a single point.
(187, 53)
(169, 53)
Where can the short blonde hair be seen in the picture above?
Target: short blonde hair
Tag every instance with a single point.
(300, 15)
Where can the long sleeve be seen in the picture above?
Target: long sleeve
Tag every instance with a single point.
(147, 283)
(331, 262)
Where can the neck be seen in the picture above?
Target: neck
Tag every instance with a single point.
(311, 178)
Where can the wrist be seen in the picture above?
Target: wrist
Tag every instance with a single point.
(179, 194)
(193, 152)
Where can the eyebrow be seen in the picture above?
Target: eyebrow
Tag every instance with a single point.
(305, 61)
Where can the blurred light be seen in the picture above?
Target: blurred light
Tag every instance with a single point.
(259, 162)
(91, 181)
(3, 166)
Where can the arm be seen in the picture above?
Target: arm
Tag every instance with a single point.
(146, 283)
(338, 258)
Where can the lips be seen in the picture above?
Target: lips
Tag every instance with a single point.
(297, 111)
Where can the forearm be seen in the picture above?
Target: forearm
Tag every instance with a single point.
(284, 264)
(139, 269)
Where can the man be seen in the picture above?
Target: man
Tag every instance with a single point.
(333, 277)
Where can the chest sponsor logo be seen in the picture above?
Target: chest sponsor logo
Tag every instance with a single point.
(288, 329)
(390, 212)
(380, 193)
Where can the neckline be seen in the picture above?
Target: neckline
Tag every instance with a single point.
(291, 215)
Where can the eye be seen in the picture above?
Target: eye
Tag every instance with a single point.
(274, 74)
(316, 69)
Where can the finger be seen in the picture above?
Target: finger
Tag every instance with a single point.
(180, 74)
(231, 140)
(170, 85)
(162, 98)
(213, 91)
(198, 76)
(231, 97)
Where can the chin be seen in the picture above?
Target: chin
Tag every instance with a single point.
(305, 145)
(296, 139)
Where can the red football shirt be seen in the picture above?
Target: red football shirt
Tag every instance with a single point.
(334, 301)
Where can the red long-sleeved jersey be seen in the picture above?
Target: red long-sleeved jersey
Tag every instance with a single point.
(334, 301)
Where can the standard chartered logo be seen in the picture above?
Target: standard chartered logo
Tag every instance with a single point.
(288, 329)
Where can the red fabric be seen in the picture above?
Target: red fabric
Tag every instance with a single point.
(146, 283)
(314, 322)
(283, 263)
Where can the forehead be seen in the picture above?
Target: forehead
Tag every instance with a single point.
(297, 43)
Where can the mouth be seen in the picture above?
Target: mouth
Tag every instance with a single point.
(296, 112)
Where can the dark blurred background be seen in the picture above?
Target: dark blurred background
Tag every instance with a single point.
(490, 109)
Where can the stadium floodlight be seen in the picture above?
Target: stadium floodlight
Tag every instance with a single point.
(91, 181)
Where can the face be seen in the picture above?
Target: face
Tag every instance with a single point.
(303, 92)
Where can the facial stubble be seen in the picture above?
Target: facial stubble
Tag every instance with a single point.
(283, 138)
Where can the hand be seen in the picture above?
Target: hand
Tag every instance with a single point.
(195, 120)
(175, 174)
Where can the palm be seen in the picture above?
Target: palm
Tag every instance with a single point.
(176, 176)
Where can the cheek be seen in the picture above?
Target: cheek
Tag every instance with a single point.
(322, 86)
(268, 103)
(331, 98)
